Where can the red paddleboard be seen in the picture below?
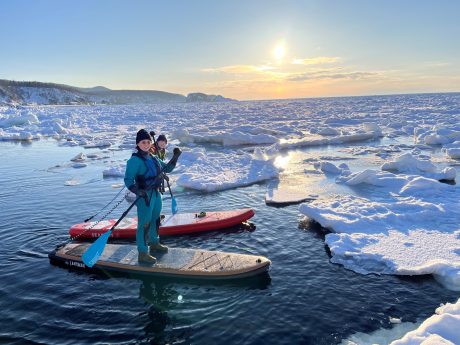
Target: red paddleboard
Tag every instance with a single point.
(178, 224)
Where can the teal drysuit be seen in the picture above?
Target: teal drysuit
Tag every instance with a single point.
(148, 216)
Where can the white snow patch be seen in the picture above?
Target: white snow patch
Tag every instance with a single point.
(217, 171)
(439, 329)
(409, 164)
(234, 138)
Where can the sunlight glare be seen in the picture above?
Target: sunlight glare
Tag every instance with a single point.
(282, 161)
(279, 51)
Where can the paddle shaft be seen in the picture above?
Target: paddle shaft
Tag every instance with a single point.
(125, 213)
(169, 187)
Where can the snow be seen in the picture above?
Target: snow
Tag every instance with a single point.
(102, 144)
(380, 337)
(441, 328)
(340, 139)
(351, 214)
(216, 171)
(438, 134)
(235, 138)
(79, 158)
(452, 150)
(402, 235)
(407, 163)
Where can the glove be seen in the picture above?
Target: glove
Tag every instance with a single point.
(177, 151)
(166, 177)
(139, 192)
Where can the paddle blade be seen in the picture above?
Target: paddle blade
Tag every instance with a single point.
(92, 254)
(174, 207)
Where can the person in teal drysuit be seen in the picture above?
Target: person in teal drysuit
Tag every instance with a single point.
(141, 170)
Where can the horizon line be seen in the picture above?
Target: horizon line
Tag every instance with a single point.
(244, 100)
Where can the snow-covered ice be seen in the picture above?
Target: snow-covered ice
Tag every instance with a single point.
(439, 329)
(115, 171)
(409, 164)
(216, 171)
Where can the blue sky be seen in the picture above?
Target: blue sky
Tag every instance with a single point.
(241, 49)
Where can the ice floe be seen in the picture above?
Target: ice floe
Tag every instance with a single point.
(414, 230)
(439, 329)
(403, 235)
(407, 169)
(452, 150)
(409, 164)
(216, 171)
(115, 171)
(225, 138)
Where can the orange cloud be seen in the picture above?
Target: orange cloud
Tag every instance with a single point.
(320, 60)
(321, 75)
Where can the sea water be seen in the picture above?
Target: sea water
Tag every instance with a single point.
(304, 298)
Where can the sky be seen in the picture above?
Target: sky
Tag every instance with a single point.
(246, 50)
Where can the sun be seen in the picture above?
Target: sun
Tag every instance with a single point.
(279, 51)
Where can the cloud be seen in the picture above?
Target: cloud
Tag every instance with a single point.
(240, 69)
(327, 75)
(320, 60)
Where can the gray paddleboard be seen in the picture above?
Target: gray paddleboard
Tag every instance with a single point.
(177, 262)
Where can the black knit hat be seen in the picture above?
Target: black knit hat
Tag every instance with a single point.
(142, 135)
(162, 137)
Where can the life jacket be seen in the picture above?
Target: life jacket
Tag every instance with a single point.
(149, 180)
(160, 153)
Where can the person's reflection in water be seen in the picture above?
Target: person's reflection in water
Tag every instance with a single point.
(160, 327)
(158, 296)
(161, 298)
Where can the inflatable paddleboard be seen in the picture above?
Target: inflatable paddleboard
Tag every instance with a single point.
(176, 263)
(284, 197)
(178, 224)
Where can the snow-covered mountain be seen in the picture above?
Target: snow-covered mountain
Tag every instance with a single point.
(29, 93)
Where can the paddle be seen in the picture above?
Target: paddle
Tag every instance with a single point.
(174, 207)
(92, 254)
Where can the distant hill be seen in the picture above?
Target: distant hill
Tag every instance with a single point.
(202, 97)
(33, 92)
